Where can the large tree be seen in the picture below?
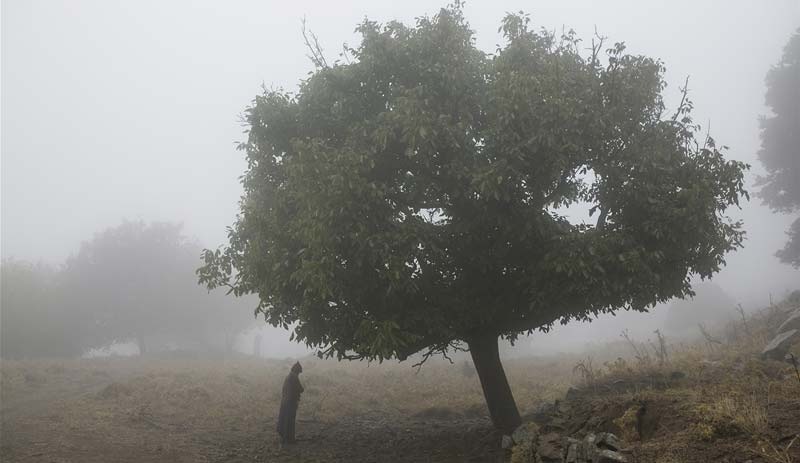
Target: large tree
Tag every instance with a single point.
(410, 198)
(780, 144)
(136, 281)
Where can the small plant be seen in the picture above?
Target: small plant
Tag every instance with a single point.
(524, 452)
(704, 431)
(661, 348)
(774, 454)
(710, 340)
(627, 423)
(618, 367)
(740, 309)
(588, 373)
(640, 352)
(732, 415)
(748, 413)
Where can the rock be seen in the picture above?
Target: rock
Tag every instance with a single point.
(608, 441)
(609, 456)
(507, 442)
(780, 345)
(583, 453)
(557, 423)
(527, 432)
(525, 453)
(550, 447)
(542, 413)
(791, 323)
(594, 448)
(593, 422)
(571, 453)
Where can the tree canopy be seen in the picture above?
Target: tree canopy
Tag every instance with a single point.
(410, 197)
(780, 144)
(131, 282)
(136, 281)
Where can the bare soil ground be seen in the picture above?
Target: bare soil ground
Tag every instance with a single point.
(704, 404)
(193, 409)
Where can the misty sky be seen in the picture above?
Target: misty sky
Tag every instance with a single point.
(117, 110)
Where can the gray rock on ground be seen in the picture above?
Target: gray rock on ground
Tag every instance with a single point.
(594, 448)
(533, 447)
(507, 442)
(527, 432)
(608, 441)
(780, 345)
(608, 456)
(543, 412)
(549, 448)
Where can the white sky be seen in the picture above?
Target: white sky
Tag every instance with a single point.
(130, 109)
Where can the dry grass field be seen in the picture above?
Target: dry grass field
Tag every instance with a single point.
(698, 403)
(185, 408)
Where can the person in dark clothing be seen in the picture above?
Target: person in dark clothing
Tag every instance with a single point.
(290, 398)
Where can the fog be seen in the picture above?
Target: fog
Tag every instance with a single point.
(117, 110)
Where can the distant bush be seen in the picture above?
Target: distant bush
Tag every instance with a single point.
(131, 282)
(32, 322)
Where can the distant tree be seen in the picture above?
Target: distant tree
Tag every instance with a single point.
(136, 281)
(408, 199)
(780, 144)
(32, 322)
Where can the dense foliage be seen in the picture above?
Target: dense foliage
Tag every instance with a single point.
(412, 196)
(780, 144)
(136, 281)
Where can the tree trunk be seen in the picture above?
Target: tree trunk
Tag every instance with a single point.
(140, 342)
(496, 391)
(257, 345)
(228, 342)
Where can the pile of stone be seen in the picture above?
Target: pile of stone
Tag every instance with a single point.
(602, 447)
(528, 445)
(788, 335)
